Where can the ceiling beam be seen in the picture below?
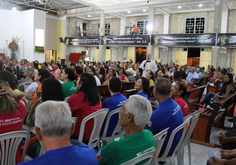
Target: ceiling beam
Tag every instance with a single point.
(25, 4)
(163, 11)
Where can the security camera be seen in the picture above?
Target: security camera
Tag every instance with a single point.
(147, 1)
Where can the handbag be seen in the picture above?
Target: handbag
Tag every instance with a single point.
(213, 101)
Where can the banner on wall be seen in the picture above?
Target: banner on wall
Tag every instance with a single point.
(183, 39)
(125, 40)
(94, 40)
(226, 39)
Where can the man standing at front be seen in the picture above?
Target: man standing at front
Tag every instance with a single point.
(168, 114)
(148, 64)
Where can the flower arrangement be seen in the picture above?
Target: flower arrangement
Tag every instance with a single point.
(13, 44)
(39, 49)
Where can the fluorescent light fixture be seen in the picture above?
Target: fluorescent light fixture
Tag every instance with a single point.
(14, 9)
(179, 7)
(129, 11)
(89, 15)
(200, 5)
(144, 10)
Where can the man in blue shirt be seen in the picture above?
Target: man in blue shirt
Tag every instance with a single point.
(168, 114)
(192, 75)
(116, 101)
(53, 127)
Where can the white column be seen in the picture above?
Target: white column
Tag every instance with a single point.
(151, 28)
(102, 48)
(217, 29)
(122, 25)
(166, 24)
(224, 22)
(218, 16)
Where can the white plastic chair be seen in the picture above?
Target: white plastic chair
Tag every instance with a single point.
(159, 141)
(194, 118)
(9, 145)
(74, 119)
(141, 158)
(24, 84)
(99, 117)
(27, 128)
(177, 150)
(66, 98)
(118, 131)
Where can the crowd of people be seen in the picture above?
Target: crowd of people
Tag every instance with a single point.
(45, 96)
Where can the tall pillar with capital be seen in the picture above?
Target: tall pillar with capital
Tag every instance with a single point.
(102, 48)
(217, 29)
(151, 28)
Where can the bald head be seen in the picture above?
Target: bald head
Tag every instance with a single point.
(163, 86)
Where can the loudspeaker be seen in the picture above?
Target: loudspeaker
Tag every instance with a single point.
(61, 39)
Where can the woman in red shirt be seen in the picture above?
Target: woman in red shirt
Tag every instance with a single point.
(178, 93)
(211, 72)
(83, 103)
(122, 76)
(12, 112)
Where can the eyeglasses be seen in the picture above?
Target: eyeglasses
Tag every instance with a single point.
(173, 87)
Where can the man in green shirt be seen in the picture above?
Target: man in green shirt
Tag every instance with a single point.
(134, 115)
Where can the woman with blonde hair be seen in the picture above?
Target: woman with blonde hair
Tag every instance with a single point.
(110, 75)
(12, 112)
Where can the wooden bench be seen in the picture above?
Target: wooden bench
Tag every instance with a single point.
(127, 86)
(213, 89)
(129, 92)
(194, 96)
(103, 92)
(191, 86)
(209, 117)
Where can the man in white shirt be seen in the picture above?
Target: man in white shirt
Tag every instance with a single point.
(148, 64)
(192, 75)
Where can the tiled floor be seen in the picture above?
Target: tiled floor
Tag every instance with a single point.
(199, 153)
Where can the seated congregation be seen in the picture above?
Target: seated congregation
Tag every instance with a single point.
(111, 113)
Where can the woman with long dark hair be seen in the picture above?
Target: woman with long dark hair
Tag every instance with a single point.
(226, 90)
(178, 77)
(68, 76)
(83, 103)
(142, 86)
(178, 93)
(150, 76)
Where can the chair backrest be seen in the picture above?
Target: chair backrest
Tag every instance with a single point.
(66, 99)
(24, 85)
(159, 141)
(183, 127)
(74, 119)
(9, 145)
(42, 151)
(118, 131)
(194, 118)
(99, 117)
(141, 158)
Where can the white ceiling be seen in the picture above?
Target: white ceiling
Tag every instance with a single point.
(120, 8)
